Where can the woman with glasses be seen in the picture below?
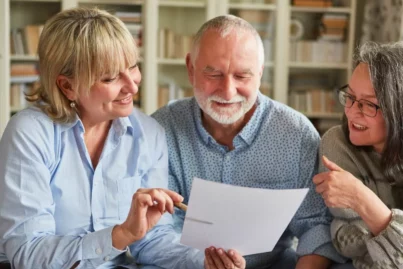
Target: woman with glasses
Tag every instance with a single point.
(361, 178)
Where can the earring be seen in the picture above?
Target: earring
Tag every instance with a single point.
(72, 104)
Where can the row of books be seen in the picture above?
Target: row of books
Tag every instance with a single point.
(23, 69)
(318, 51)
(173, 45)
(314, 101)
(17, 93)
(24, 41)
(133, 23)
(301, 81)
(172, 91)
(262, 21)
(333, 27)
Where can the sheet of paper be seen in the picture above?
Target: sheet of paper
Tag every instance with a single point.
(246, 219)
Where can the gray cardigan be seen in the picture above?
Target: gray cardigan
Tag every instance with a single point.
(350, 234)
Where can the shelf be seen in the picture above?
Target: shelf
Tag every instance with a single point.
(315, 65)
(24, 79)
(167, 61)
(169, 3)
(36, 1)
(343, 10)
(24, 58)
(252, 6)
(335, 116)
(112, 2)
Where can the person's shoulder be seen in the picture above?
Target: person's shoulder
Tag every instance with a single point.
(30, 125)
(147, 123)
(175, 112)
(288, 117)
(30, 118)
(336, 145)
(334, 135)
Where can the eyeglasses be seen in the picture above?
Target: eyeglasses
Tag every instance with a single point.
(347, 100)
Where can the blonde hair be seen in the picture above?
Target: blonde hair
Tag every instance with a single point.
(82, 44)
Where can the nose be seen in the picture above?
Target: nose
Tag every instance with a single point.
(132, 79)
(229, 89)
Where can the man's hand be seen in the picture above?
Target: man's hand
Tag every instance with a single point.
(219, 259)
(148, 205)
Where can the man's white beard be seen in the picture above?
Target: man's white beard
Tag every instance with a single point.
(224, 115)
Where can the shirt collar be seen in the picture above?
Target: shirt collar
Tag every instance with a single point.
(247, 134)
(119, 125)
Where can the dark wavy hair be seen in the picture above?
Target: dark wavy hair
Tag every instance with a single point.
(385, 63)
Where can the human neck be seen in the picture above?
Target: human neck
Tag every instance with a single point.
(224, 134)
(96, 128)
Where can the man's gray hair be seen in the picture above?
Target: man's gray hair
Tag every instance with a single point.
(224, 25)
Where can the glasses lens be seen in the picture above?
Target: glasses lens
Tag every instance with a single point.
(344, 99)
(368, 109)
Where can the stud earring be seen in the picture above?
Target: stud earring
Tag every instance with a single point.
(72, 104)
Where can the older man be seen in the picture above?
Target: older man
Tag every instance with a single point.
(231, 133)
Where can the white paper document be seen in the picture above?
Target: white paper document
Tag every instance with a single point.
(248, 220)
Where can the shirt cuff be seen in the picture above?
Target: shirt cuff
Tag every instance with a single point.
(195, 259)
(389, 242)
(97, 247)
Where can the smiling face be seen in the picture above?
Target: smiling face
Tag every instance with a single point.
(110, 97)
(226, 75)
(364, 130)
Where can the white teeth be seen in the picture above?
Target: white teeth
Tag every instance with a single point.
(360, 127)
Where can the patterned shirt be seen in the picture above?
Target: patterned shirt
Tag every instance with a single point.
(277, 149)
(56, 208)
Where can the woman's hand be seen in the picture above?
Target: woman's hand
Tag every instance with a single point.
(341, 189)
(148, 205)
(338, 188)
(219, 259)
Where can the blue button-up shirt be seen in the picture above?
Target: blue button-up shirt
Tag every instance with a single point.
(277, 149)
(56, 209)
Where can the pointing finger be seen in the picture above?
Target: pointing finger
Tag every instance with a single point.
(330, 165)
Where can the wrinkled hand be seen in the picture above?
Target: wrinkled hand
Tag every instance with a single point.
(338, 188)
(219, 259)
(148, 205)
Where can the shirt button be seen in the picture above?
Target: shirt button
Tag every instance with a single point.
(98, 251)
(107, 258)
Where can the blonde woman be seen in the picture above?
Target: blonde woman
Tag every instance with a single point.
(82, 173)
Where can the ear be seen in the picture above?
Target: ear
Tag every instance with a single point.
(190, 68)
(261, 72)
(65, 85)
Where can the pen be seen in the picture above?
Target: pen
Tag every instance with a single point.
(181, 206)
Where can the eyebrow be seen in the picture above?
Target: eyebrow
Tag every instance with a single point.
(210, 69)
(364, 95)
